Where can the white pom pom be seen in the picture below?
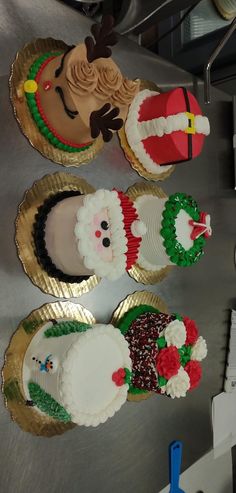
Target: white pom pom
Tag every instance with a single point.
(138, 228)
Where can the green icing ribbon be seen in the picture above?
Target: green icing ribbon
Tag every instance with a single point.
(65, 328)
(132, 314)
(185, 354)
(161, 342)
(11, 390)
(136, 391)
(177, 253)
(47, 404)
(30, 326)
(31, 101)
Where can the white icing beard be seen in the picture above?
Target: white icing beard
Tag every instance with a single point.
(82, 378)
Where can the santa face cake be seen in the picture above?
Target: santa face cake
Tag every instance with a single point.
(76, 95)
(73, 371)
(164, 129)
(106, 233)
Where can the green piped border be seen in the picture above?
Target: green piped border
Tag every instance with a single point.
(135, 312)
(178, 255)
(47, 404)
(31, 101)
(65, 328)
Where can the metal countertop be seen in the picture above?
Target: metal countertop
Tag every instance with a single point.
(129, 452)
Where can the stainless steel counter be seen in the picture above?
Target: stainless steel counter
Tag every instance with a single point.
(129, 452)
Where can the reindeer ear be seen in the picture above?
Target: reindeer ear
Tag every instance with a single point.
(104, 36)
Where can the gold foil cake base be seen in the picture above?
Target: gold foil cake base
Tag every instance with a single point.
(129, 154)
(136, 299)
(28, 418)
(138, 273)
(20, 68)
(33, 199)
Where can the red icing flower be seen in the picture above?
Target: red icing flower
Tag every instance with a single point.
(191, 331)
(168, 362)
(118, 377)
(194, 370)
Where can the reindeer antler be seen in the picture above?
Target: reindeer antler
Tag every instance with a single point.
(102, 120)
(104, 36)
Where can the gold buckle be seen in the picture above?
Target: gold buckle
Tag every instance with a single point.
(191, 128)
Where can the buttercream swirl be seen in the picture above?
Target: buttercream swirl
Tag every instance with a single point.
(126, 92)
(109, 81)
(82, 78)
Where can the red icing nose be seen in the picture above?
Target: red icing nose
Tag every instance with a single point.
(98, 233)
(47, 85)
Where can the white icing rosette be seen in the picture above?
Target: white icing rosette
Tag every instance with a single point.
(178, 385)
(199, 349)
(175, 334)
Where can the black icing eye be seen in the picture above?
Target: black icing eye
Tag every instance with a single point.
(106, 242)
(104, 225)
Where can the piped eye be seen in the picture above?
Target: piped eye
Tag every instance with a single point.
(106, 242)
(104, 225)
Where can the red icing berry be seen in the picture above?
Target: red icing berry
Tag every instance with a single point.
(194, 371)
(191, 331)
(168, 362)
(118, 377)
(98, 233)
(47, 85)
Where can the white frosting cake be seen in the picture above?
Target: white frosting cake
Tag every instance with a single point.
(77, 370)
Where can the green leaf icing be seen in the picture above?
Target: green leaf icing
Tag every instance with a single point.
(177, 253)
(47, 404)
(162, 381)
(129, 317)
(178, 316)
(11, 390)
(65, 328)
(135, 390)
(128, 376)
(185, 354)
(161, 342)
(31, 101)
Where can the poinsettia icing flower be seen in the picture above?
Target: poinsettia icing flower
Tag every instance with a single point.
(168, 362)
(175, 334)
(194, 371)
(178, 385)
(199, 350)
(192, 331)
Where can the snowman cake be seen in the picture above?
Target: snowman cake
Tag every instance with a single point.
(81, 373)
(165, 129)
(106, 233)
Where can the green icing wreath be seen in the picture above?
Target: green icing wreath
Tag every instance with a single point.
(47, 404)
(31, 101)
(177, 253)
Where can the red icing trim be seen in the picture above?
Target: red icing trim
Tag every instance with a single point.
(43, 116)
(133, 242)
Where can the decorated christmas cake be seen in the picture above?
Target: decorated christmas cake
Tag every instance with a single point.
(77, 94)
(106, 233)
(83, 373)
(164, 129)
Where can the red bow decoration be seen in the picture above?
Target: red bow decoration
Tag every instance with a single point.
(201, 227)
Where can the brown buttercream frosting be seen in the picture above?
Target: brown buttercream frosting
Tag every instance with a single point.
(126, 92)
(82, 78)
(109, 81)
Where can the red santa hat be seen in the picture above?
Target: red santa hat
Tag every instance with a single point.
(163, 129)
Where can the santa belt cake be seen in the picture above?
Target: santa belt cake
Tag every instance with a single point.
(73, 371)
(167, 128)
(106, 233)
